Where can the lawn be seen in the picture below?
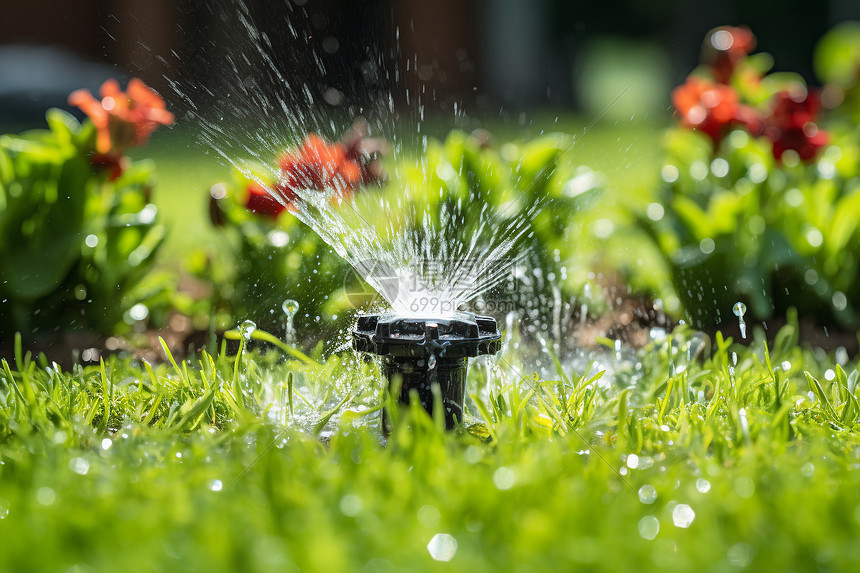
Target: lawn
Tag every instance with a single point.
(688, 454)
(272, 460)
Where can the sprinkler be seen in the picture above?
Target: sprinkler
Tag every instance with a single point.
(419, 353)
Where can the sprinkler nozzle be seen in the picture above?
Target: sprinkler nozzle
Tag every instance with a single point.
(421, 352)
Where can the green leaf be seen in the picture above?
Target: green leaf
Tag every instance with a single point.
(837, 56)
(826, 407)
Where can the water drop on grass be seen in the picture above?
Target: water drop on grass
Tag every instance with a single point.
(647, 494)
(45, 496)
(649, 527)
(216, 485)
(350, 505)
(247, 328)
(429, 516)
(740, 309)
(740, 554)
(504, 478)
(683, 515)
(79, 466)
(442, 547)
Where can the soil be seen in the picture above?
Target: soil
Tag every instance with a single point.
(629, 320)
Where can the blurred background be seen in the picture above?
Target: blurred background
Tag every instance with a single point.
(483, 55)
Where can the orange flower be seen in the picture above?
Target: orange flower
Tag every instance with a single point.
(122, 119)
(706, 106)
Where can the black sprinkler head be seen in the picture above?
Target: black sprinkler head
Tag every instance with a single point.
(420, 352)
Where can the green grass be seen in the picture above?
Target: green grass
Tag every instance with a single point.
(205, 466)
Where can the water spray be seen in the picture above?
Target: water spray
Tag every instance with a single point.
(427, 356)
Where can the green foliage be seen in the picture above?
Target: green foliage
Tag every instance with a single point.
(735, 224)
(260, 262)
(531, 185)
(533, 179)
(836, 60)
(254, 462)
(739, 227)
(76, 248)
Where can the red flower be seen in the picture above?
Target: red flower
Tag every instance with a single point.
(123, 119)
(260, 202)
(113, 164)
(320, 165)
(724, 47)
(791, 125)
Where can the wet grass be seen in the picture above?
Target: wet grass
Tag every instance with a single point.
(742, 457)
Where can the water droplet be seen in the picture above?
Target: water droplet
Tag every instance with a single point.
(658, 334)
(350, 505)
(740, 554)
(247, 328)
(504, 478)
(79, 466)
(649, 527)
(683, 515)
(107, 443)
(442, 547)
(703, 485)
(216, 485)
(429, 516)
(45, 496)
(290, 308)
(647, 494)
(740, 309)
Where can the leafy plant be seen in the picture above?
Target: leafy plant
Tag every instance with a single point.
(267, 258)
(528, 184)
(456, 186)
(78, 234)
(759, 202)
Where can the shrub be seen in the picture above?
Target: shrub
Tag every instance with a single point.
(759, 202)
(78, 233)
